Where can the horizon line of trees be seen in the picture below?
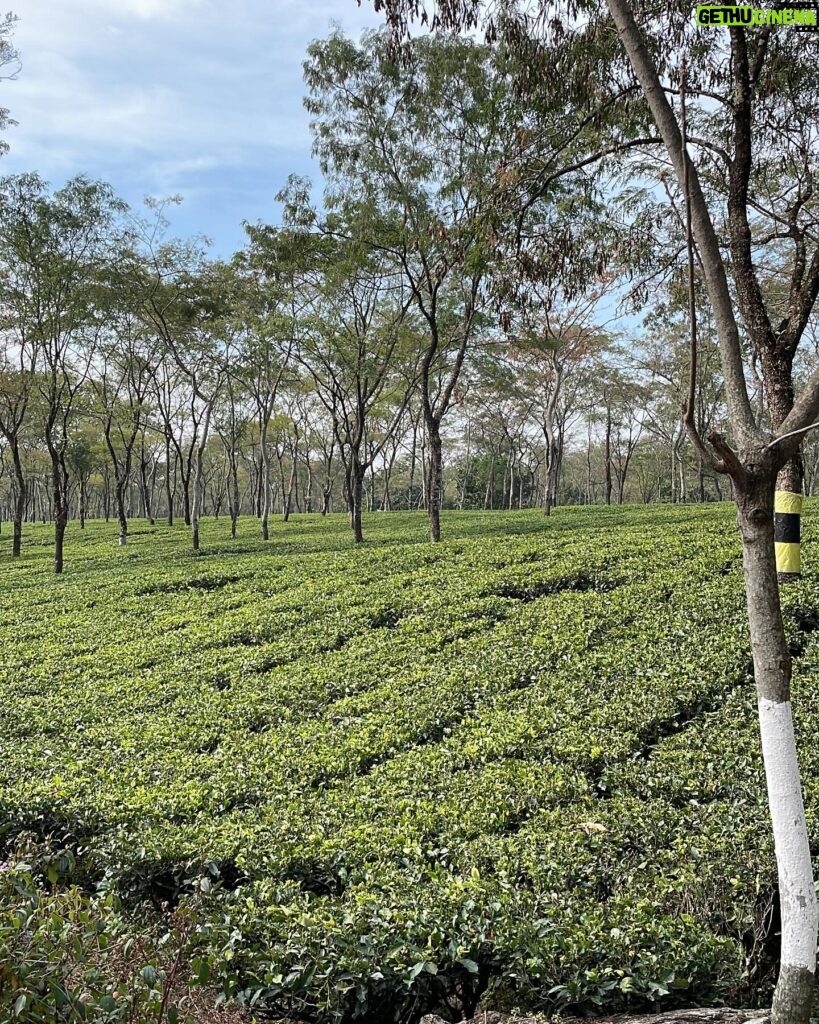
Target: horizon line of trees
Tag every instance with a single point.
(442, 332)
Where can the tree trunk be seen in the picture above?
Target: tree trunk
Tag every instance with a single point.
(186, 499)
(552, 469)
(287, 498)
(547, 468)
(122, 519)
(264, 482)
(146, 494)
(20, 501)
(434, 482)
(120, 484)
(589, 481)
(59, 482)
(235, 499)
(356, 498)
(60, 523)
(787, 522)
(772, 672)
(186, 483)
(411, 485)
(168, 487)
(308, 490)
(777, 367)
(83, 499)
(198, 478)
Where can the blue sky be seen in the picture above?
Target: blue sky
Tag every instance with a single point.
(195, 97)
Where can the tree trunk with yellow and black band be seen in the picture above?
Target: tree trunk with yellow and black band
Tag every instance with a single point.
(787, 535)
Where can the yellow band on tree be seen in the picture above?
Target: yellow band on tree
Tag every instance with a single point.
(787, 534)
(788, 501)
(789, 558)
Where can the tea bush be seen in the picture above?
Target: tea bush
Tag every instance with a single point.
(519, 767)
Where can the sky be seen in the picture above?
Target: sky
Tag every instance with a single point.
(198, 98)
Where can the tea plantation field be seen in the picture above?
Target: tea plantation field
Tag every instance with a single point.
(521, 766)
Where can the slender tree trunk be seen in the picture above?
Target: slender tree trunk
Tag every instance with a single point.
(168, 484)
(607, 456)
(411, 486)
(107, 497)
(772, 672)
(60, 523)
(235, 499)
(146, 494)
(60, 492)
(264, 483)
(120, 484)
(589, 483)
(434, 481)
(308, 491)
(186, 498)
(122, 519)
(198, 478)
(547, 470)
(464, 488)
(83, 499)
(287, 498)
(552, 470)
(294, 483)
(356, 497)
(257, 489)
(422, 498)
(20, 501)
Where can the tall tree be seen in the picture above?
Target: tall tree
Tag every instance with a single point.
(268, 306)
(551, 346)
(357, 348)
(409, 149)
(122, 384)
(627, 89)
(189, 309)
(56, 250)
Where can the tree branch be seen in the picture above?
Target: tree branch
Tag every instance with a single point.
(703, 228)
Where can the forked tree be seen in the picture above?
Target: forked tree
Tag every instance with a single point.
(629, 53)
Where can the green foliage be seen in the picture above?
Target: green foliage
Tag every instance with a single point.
(520, 767)
(67, 953)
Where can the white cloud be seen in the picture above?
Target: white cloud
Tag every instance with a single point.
(145, 9)
(163, 96)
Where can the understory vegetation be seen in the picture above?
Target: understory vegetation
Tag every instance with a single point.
(520, 767)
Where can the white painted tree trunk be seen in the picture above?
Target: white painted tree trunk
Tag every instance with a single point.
(772, 673)
(797, 892)
(753, 474)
